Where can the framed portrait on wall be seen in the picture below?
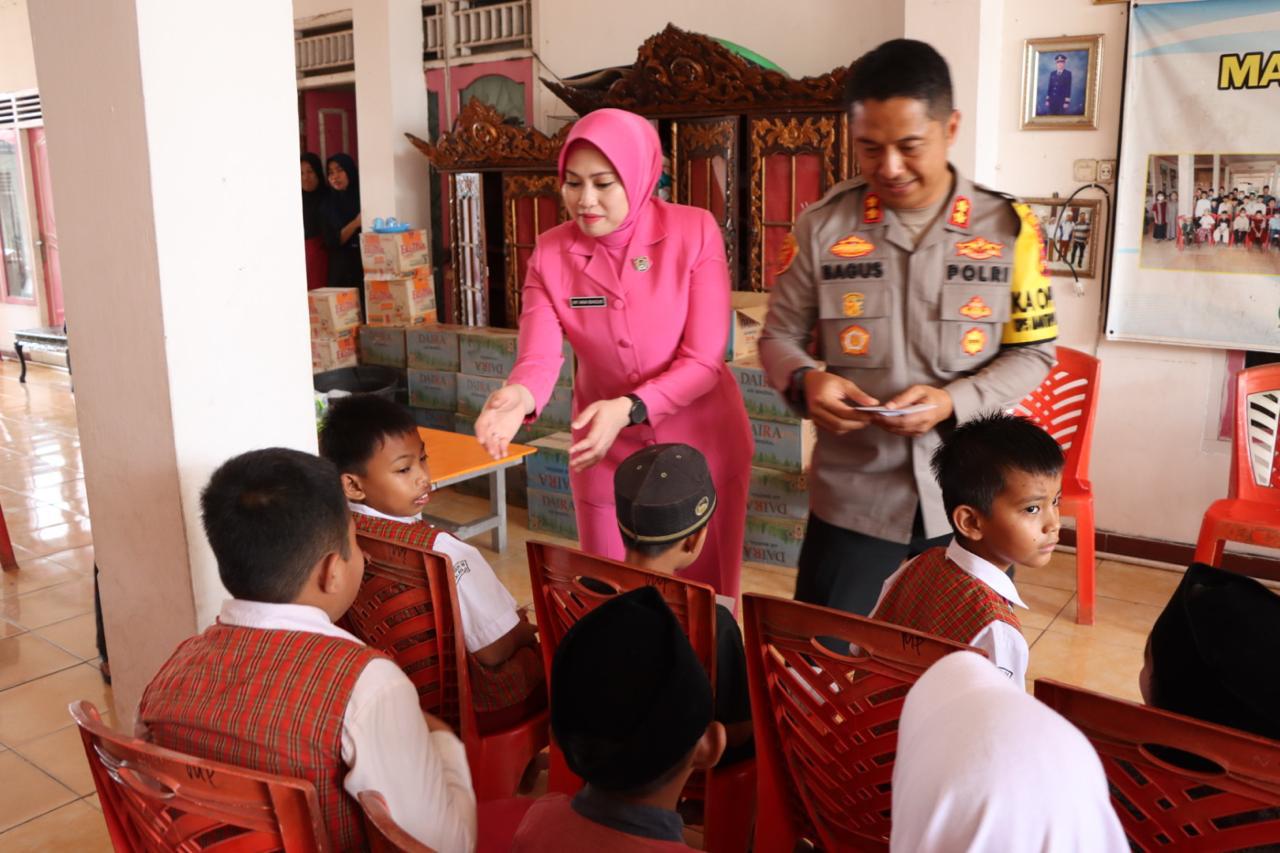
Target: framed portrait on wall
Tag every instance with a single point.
(1073, 235)
(1060, 83)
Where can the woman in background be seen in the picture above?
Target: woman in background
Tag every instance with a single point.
(314, 191)
(341, 223)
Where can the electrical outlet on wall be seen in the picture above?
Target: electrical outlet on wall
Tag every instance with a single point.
(1086, 171)
(1106, 171)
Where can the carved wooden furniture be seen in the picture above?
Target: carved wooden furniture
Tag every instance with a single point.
(748, 143)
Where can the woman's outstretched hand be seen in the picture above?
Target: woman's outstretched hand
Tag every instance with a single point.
(603, 420)
(503, 413)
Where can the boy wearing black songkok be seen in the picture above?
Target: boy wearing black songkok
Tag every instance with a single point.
(631, 710)
(1212, 653)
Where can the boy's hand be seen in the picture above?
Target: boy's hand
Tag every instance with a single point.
(920, 422)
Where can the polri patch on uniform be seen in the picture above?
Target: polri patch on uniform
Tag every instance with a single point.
(973, 341)
(855, 340)
(980, 249)
(960, 210)
(871, 210)
(852, 246)
(976, 309)
(787, 254)
(588, 302)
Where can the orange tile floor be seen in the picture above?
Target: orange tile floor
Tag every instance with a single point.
(48, 656)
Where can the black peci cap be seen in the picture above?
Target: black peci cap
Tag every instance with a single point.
(663, 493)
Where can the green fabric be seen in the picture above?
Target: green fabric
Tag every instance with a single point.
(751, 56)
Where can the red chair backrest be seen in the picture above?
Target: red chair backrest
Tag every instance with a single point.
(407, 607)
(155, 799)
(1229, 803)
(1255, 475)
(560, 597)
(837, 738)
(382, 832)
(1065, 406)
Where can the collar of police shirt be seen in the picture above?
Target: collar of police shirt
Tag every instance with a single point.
(919, 220)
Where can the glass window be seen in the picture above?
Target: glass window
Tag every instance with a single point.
(16, 277)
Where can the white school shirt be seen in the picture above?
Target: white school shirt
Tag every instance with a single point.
(984, 767)
(488, 610)
(1203, 206)
(1002, 642)
(423, 775)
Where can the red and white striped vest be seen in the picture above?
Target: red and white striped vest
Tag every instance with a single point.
(935, 596)
(271, 701)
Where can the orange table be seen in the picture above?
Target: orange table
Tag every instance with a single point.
(454, 458)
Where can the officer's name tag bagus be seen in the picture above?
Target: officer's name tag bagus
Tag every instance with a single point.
(588, 302)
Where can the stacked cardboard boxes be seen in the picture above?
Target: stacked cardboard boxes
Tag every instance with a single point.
(398, 288)
(431, 356)
(778, 497)
(747, 311)
(335, 317)
(550, 499)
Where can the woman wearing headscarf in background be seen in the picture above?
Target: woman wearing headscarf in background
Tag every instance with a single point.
(341, 223)
(982, 766)
(641, 289)
(314, 191)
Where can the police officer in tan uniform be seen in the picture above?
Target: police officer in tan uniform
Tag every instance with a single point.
(922, 290)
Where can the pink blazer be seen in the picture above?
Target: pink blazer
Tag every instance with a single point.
(658, 332)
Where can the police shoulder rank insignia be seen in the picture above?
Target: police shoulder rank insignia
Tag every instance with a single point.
(855, 340)
(852, 246)
(973, 341)
(960, 211)
(787, 253)
(871, 210)
(853, 304)
(976, 309)
(980, 249)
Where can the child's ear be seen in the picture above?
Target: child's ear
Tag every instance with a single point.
(329, 575)
(709, 748)
(967, 522)
(692, 543)
(351, 487)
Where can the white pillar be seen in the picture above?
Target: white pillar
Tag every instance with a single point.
(173, 145)
(1217, 175)
(968, 34)
(391, 100)
(1186, 184)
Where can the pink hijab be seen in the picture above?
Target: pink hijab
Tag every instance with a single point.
(631, 144)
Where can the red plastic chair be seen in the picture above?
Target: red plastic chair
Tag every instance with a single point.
(1229, 802)
(560, 599)
(1251, 511)
(7, 560)
(408, 608)
(498, 821)
(1065, 406)
(826, 724)
(155, 799)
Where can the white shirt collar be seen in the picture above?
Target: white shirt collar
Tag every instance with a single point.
(984, 571)
(281, 617)
(370, 511)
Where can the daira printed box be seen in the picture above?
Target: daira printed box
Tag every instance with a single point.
(473, 391)
(552, 512)
(783, 447)
(778, 494)
(433, 389)
(762, 402)
(775, 541)
(433, 347)
(382, 345)
(548, 469)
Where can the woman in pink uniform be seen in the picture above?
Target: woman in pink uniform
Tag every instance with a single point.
(641, 289)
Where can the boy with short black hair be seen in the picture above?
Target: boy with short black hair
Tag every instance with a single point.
(631, 709)
(375, 444)
(664, 498)
(275, 686)
(1001, 479)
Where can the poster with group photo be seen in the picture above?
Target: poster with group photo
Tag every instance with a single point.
(1197, 243)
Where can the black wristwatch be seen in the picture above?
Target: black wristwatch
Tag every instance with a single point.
(795, 391)
(639, 411)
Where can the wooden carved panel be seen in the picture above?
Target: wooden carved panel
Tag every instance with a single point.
(469, 288)
(705, 162)
(531, 204)
(794, 161)
(482, 140)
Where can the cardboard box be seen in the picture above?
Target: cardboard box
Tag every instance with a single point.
(548, 469)
(433, 419)
(778, 494)
(382, 345)
(747, 311)
(552, 513)
(433, 389)
(394, 254)
(558, 413)
(333, 310)
(783, 447)
(775, 541)
(334, 351)
(433, 347)
(762, 402)
(488, 351)
(473, 391)
(409, 301)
